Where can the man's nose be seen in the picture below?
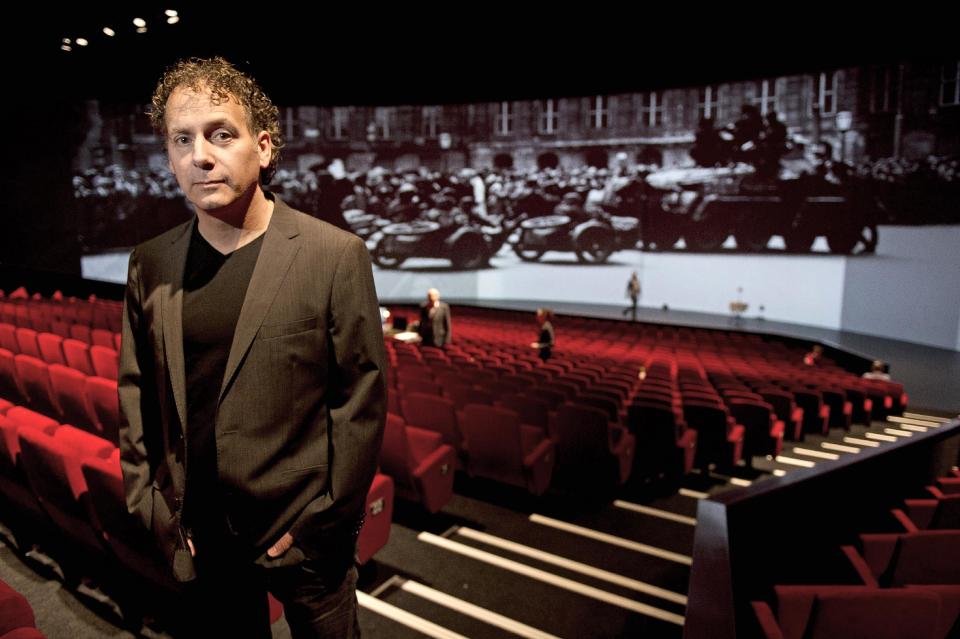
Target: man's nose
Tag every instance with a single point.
(202, 157)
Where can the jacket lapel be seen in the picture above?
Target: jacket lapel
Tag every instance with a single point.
(276, 255)
(171, 311)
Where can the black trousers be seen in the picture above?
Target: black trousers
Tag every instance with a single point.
(229, 596)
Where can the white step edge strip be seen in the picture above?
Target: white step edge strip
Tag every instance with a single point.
(655, 512)
(693, 494)
(913, 429)
(861, 442)
(839, 447)
(575, 566)
(879, 437)
(806, 452)
(933, 418)
(405, 618)
(611, 539)
(790, 461)
(477, 612)
(897, 433)
(550, 578)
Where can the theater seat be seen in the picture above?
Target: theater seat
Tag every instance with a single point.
(35, 377)
(433, 413)
(665, 446)
(106, 362)
(590, 450)
(104, 403)
(899, 559)
(70, 393)
(763, 432)
(942, 512)
(15, 610)
(421, 465)
(498, 447)
(77, 354)
(379, 515)
(850, 612)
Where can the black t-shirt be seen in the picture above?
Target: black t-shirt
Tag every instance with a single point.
(214, 286)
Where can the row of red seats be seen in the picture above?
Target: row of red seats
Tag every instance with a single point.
(38, 312)
(910, 581)
(65, 394)
(65, 486)
(11, 338)
(100, 359)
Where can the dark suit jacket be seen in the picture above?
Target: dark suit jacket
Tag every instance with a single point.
(435, 331)
(302, 402)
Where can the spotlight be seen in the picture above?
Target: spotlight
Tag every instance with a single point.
(82, 42)
(66, 40)
(66, 47)
(139, 22)
(173, 19)
(141, 29)
(109, 32)
(171, 13)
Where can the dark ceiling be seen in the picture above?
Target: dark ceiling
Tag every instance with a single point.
(371, 55)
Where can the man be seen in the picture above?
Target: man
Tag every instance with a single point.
(252, 389)
(633, 292)
(435, 327)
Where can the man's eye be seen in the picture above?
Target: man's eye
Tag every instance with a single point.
(181, 139)
(222, 136)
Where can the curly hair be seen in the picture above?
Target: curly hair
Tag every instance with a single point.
(224, 81)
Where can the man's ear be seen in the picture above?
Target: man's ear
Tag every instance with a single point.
(264, 148)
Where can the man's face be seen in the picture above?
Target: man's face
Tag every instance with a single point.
(211, 150)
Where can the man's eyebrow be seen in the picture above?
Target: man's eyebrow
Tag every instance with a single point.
(212, 124)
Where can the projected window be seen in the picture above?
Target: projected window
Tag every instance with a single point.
(549, 116)
(827, 93)
(599, 115)
(709, 103)
(950, 84)
(430, 116)
(339, 121)
(385, 118)
(766, 96)
(651, 109)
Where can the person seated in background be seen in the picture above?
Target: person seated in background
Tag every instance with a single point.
(878, 370)
(813, 357)
(435, 328)
(545, 342)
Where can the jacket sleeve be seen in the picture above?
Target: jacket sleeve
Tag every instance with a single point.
(137, 394)
(356, 397)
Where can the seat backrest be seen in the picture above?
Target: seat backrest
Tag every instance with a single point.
(77, 354)
(395, 452)
(947, 513)
(781, 401)
(8, 337)
(924, 557)
(27, 341)
(101, 337)
(70, 392)
(35, 377)
(106, 362)
(492, 434)
(856, 612)
(580, 433)
(532, 411)
(51, 348)
(433, 413)
(105, 404)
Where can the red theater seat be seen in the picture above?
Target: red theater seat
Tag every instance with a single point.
(51, 348)
(104, 403)
(498, 447)
(379, 515)
(850, 612)
(589, 447)
(433, 413)
(27, 342)
(106, 362)
(763, 432)
(77, 355)
(35, 377)
(421, 465)
(665, 446)
(719, 438)
(70, 393)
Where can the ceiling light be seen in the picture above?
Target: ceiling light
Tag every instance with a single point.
(82, 42)
(65, 47)
(171, 13)
(66, 40)
(108, 31)
(139, 22)
(173, 19)
(141, 29)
